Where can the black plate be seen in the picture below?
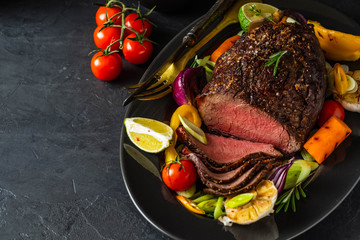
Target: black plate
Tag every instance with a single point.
(338, 176)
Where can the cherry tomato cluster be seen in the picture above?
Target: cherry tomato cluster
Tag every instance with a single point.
(119, 31)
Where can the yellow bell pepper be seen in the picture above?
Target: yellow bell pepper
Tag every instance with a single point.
(192, 115)
(340, 79)
(337, 46)
(170, 154)
(187, 111)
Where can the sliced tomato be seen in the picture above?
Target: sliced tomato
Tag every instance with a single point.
(189, 205)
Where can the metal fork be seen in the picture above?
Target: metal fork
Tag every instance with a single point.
(160, 83)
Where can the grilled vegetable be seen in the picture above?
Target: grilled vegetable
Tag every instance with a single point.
(188, 84)
(208, 206)
(337, 46)
(341, 82)
(187, 111)
(327, 138)
(223, 47)
(189, 205)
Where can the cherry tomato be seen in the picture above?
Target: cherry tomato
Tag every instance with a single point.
(100, 16)
(179, 175)
(106, 36)
(329, 109)
(134, 21)
(106, 67)
(136, 53)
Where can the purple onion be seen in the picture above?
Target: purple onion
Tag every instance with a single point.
(188, 83)
(295, 15)
(278, 177)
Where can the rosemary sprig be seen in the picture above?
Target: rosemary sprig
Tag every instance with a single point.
(290, 196)
(274, 58)
(252, 8)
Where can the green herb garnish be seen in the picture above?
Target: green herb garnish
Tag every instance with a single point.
(290, 196)
(274, 58)
(270, 19)
(254, 9)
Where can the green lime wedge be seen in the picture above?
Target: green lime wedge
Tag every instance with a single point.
(147, 134)
(254, 14)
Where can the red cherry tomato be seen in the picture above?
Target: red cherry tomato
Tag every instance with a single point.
(179, 177)
(136, 53)
(106, 67)
(329, 109)
(106, 36)
(100, 16)
(139, 25)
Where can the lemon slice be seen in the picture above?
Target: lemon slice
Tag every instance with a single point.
(194, 130)
(254, 14)
(261, 205)
(147, 134)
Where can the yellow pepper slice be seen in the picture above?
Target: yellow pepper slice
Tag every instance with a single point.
(337, 46)
(189, 205)
(341, 82)
(192, 115)
(170, 154)
(187, 111)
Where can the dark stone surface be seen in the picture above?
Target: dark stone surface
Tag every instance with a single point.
(59, 128)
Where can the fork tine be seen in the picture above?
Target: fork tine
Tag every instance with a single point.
(144, 84)
(153, 85)
(156, 96)
(154, 90)
(135, 85)
(151, 88)
(140, 89)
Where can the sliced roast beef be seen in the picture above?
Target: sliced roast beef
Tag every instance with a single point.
(207, 175)
(262, 174)
(216, 168)
(249, 100)
(242, 180)
(220, 151)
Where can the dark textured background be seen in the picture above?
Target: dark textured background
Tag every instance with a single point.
(59, 128)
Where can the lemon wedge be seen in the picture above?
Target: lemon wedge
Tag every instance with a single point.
(194, 130)
(254, 14)
(147, 134)
(261, 205)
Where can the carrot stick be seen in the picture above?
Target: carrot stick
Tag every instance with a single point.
(223, 47)
(327, 138)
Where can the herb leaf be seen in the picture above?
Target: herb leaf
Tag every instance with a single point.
(274, 58)
(252, 8)
(291, 195)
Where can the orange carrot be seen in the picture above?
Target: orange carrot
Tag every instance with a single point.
(327, 138)
(223, 47)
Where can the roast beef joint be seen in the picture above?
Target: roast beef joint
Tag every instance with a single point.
(255, 117)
